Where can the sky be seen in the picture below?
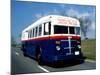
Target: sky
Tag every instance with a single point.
(24, 14)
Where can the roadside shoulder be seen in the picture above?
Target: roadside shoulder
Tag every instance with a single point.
(88, 60)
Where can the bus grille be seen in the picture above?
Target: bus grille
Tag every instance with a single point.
(66, 48)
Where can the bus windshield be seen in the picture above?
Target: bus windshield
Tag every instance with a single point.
(60, 29)
(64, 30)
(77, 30)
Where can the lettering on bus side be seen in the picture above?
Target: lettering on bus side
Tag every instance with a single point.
(68, 21)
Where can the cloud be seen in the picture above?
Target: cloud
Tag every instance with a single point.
(86, 14)
(93, 26)
(39, 15)
(54, 12)
(63, 6)
(72, 12)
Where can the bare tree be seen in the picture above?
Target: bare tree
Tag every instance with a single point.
(13, 41)
(85, 23)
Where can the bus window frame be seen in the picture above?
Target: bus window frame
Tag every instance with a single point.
(74, 29)
(68, 29)
(36, 32)
(79, 31)
(60, 25)
(49, 27)
(29, 34)
(40, 32)
(33, 32)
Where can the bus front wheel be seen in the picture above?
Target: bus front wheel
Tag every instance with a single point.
(24, 53)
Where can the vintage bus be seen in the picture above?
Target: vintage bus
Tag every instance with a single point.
(53, 38)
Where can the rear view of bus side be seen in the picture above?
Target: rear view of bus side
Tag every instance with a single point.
(53, 38)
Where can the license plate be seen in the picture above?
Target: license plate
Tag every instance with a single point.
(77, 53)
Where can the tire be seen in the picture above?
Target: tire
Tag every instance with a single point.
(38, 56)
(24, 53)
(23, 50)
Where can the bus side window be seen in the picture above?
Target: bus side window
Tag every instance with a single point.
(28, 34)
(33, 33)
(23, 35)
(36, 29)
(40, 30)
(47, 28)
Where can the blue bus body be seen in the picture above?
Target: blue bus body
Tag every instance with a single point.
(48, 46)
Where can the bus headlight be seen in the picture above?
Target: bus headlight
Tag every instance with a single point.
(58, 48)
(77, 53)
(79, 46)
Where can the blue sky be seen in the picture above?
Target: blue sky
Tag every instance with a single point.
(25, 13)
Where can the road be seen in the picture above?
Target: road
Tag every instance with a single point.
(25, 65)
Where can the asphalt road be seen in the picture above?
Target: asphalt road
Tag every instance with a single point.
(25, 65)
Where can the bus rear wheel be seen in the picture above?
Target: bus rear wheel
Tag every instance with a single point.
(24, 53)
(38, 56)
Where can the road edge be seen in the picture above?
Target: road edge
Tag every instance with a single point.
(92, 61)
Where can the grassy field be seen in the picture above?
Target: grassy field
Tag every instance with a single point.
(89, 48)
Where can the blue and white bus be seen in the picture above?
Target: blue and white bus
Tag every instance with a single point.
(52, 38)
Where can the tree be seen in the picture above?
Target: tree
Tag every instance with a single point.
(13, 42)
(85, 23)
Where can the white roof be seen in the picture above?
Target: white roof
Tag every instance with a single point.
(48, 18)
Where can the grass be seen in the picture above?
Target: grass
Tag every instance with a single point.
(89, 48)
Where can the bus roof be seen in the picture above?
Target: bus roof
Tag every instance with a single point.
(60, 19)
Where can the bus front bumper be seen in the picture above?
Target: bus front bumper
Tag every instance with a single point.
(58, 58)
